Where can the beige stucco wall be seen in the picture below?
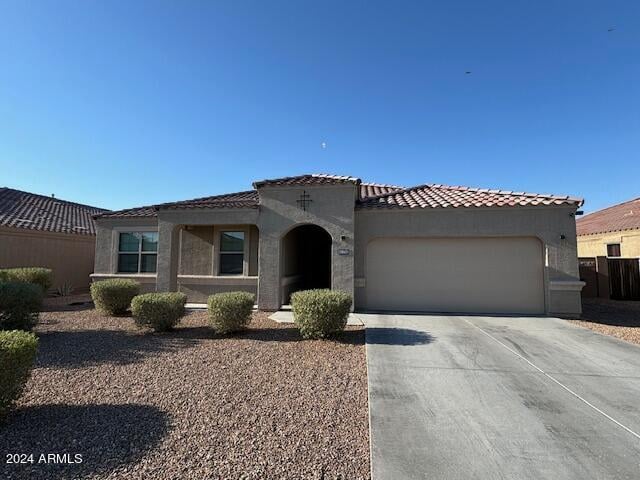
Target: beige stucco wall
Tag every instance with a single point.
(71, 257)
(187, 258)
(596, 245)
(332, 208)
(562, 293)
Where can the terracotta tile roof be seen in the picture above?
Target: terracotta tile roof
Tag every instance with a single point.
(374, 189)
(308, 179)
(624, 216)
(372, 195)
(444, 196)
(146, 211)
(248, 199)
(20, 209)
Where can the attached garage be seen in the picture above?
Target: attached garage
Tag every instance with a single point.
(471, 274)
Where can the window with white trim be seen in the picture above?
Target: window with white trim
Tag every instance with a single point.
(137, 252)
(231, 253)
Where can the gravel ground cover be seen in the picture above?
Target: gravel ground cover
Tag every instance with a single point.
(612, 317)
(189, 404)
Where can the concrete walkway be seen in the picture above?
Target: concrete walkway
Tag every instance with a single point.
(457, 397)
(286, 316)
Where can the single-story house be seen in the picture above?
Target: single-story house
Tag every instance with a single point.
(611, 232)
(425, 248)
(41, 231)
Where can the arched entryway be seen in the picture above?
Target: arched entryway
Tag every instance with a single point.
(305, 261)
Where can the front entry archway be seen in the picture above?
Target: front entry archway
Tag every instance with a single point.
(305, 261)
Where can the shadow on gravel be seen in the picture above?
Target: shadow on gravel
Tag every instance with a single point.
(616, 313)
(352, 337)
(82, 348)
(397, 336)
(107, 437)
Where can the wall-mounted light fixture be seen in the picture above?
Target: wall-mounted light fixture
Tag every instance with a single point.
(562, 236)
(343, 237)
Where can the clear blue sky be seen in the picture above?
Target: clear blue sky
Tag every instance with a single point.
(123, 103)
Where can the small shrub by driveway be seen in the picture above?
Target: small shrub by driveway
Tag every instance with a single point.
(191, 403)
(320, 313)
(230, 312)
(20, 304)
(17, 354)
(617, 318)
(160, 311)
(113, 296)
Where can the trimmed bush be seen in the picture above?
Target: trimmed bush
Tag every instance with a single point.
(17, 355)
(36, 275)
(230, 312)
(160, 311)
(320, 313)
(20, 304)
(113, 296)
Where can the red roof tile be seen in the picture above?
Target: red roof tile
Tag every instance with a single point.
(374, 189)
(248, 199)
(372, 195)
(20, 209)
(444, 196)
(624, 216)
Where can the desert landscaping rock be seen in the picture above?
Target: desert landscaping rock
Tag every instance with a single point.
(619, 319)
(190, 403)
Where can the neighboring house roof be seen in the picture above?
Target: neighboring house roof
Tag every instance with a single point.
(444, 196)
(624, 216)
(20, 209)
(372, 195)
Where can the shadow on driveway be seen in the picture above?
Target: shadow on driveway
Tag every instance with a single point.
(107, 437)
(397, 336)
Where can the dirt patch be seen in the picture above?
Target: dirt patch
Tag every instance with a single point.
(620, 319)
(190, 404)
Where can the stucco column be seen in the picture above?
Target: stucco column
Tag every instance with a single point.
(167, 270)
(269, 272)
(342, 266)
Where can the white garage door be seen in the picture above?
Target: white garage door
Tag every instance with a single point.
(476, 275)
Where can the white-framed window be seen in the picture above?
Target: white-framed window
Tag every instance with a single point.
(137, 252)
(231, 253)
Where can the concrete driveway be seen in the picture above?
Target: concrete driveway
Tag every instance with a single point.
(500, 397)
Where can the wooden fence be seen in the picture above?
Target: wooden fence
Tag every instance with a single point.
(616, 278)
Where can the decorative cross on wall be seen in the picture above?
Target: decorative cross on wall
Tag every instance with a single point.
(304, 200)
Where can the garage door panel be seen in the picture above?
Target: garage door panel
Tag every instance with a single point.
(479, 275)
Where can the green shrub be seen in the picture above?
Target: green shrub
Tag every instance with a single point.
(36, 275)
(20, 304)
(113, 296)
(17, 355)
(231, 311)
(320, 313)
(160, 311)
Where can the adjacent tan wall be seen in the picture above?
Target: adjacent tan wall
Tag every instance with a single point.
(596, 245)
(71, 257)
